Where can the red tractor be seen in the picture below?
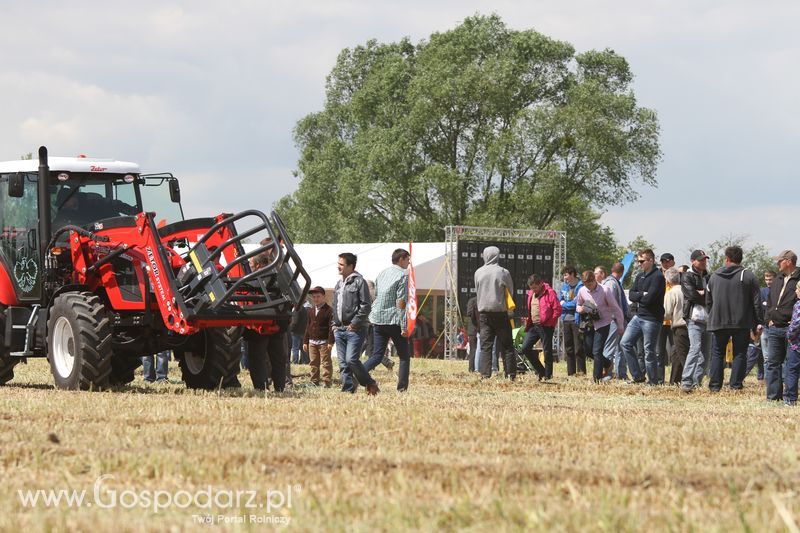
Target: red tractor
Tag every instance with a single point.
(98, 267)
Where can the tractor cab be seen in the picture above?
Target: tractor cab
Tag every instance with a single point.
(81, 192)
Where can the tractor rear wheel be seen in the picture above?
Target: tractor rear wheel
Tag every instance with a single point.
(79, 341)
(211, 358)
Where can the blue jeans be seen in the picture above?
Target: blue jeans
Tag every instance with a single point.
(693, 369)
(792, 374)
(740, 338)
(613, 353)
(381, 335)
(773, 371)
(162, 364)
(755, 357)
(348, 350)
(596, 341)
(648, 331)
(299, 357)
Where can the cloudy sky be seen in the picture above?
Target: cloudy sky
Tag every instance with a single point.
(211, 91)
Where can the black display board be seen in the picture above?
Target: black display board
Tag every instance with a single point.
(520, 259)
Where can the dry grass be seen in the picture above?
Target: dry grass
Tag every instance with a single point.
(453, 453)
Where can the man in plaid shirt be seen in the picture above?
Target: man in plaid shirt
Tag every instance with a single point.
(388, 315)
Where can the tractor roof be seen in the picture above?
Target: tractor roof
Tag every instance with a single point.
(72, 164)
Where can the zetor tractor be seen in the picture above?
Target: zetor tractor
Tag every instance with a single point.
(98, 268)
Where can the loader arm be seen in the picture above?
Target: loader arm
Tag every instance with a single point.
(197, 270)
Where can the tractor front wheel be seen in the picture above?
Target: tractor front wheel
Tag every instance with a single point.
(79, 341)
(210, 359)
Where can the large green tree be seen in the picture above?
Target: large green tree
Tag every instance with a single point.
(477, 125)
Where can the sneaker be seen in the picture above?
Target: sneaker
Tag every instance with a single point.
(607, 377)
(388, 363)
(789, 403)
(635, 381)
(688, 389)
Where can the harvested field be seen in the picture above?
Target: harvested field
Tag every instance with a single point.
(453, 453)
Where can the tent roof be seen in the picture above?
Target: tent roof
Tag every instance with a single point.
(320, 260)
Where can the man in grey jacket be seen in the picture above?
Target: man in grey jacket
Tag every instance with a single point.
(491, 283)
(351, 306)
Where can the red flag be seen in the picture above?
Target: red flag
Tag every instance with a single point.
(412, 295)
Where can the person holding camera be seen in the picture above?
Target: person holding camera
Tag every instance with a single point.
(597, 308)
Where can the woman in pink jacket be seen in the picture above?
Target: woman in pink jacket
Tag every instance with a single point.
(598, 307)
(543, 311)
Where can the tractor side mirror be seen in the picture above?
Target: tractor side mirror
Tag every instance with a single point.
(175, 191)
(16, 185)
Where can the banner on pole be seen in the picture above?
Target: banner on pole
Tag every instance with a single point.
(412, 294)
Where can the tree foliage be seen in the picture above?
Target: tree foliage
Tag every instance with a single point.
(477, 125)
(756, 257)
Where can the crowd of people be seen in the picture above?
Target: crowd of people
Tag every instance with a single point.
(692, 320)
(695, 321)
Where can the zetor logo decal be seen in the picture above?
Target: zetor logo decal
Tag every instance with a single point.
(25, 272)
(154, 267)
(95, 168)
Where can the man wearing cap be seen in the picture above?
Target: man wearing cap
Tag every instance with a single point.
(388, 315)
(693, 286)
(318, 338)
(666, 340)
(779, 313)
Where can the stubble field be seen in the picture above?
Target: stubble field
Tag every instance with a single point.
(453, 453)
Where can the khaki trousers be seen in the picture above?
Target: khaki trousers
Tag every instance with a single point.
(320, 355)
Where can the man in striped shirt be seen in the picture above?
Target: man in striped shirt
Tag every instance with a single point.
(388, 315)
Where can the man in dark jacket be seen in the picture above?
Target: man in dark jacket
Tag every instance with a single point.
(492, 282)
(351, 306)
(733, 298)
(779, 313)
(647, 292)
(693, 288)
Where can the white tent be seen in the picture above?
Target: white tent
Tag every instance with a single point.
(428, 259)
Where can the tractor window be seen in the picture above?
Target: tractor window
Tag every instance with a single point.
(19, 244)
(155, 198)
(81, 201)
(124, 192)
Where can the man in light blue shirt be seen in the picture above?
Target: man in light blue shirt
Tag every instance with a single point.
(388, 315)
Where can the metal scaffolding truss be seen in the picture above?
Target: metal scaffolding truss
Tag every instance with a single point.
(454, 234)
